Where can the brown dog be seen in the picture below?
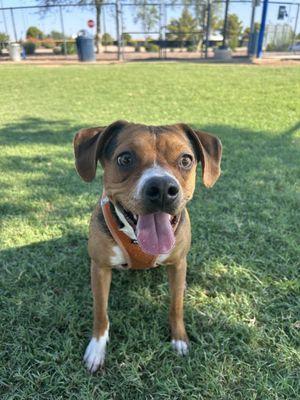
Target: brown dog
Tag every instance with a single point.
(142, 220)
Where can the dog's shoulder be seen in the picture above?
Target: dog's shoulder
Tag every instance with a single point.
(100, 240)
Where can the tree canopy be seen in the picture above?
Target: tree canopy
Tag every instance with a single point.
(234, 30)
(34, 33)
(184, 28)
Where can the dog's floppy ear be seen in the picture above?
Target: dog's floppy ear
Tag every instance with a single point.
(208, 149)
(89, 147)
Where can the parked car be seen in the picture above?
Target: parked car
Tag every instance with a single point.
(295, 47)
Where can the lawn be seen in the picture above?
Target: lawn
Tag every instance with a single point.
(242, 300)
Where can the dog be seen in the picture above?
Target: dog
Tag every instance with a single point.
(141, 220)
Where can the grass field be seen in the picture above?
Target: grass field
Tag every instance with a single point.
(242, 301)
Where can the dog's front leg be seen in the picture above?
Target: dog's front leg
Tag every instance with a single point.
(177, 275)
(95, 353)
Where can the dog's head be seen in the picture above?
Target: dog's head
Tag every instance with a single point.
(149, 172)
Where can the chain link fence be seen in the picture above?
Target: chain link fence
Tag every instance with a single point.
(144, 30)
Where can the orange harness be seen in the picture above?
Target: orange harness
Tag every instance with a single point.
(134, 255)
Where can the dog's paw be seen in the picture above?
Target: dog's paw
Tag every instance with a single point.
(94, 355)
(180, 346)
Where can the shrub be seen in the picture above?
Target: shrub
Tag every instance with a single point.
(151, 47)
(29, 48)
(56, 35)
(191, 48)
(126, 38)
(48, 43)
(70, 47)
(277, 46)
(233, 43)
(35, 41)
(107, 39)
(4, 39)
(137, 48)
(57, 50)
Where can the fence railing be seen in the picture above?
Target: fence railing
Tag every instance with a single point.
(120, 18)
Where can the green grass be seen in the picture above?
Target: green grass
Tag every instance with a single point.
(242, 302)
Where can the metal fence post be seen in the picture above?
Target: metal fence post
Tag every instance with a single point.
(160, 30)
(165, 28)
(4, 19)
(252, 26)
(122, 32)
(117, 8)
(207, 33)
(13, 24)
(63, 31)
(296, 24)
(262, 29)
(225, 24)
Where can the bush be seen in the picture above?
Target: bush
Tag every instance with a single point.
(4, 39)
(233, 43)
(191, 48)
(277, 46)
(48, 43)
(126, 38)
(57, 50)
(133, 43)
(29, 48)
(56, 35)
(137, 48)
(151, 47)
(107, 40)
(70, 47)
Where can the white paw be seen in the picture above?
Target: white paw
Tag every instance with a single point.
(94, 355)
(180, 346)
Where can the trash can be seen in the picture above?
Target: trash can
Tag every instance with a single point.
(15, 51)
(252, 46)
(85, 46)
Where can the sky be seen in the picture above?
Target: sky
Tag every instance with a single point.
(77, 17)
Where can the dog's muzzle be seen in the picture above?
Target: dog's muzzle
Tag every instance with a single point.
(160, 193)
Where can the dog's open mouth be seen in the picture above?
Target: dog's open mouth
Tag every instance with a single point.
(155, 231)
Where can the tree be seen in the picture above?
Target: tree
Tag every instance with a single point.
(184, 28)
(246, 33)
(56, 35)
(147, 14)
(95, 4)
(107, 39)
(34, 33)
(126, 38)
(234, 30)
(4, 37)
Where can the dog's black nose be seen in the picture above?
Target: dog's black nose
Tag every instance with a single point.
(160, 193)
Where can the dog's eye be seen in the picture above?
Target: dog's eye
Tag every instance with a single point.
(186, 161)
(125, 159)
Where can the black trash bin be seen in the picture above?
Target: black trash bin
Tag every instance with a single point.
(252, 46)
(85, 46)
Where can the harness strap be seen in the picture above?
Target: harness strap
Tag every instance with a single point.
(135, 257)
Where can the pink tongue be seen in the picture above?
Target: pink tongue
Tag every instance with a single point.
(155, 233)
